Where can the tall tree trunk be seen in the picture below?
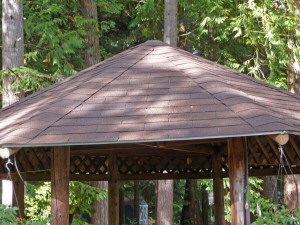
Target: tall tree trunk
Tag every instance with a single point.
(92, 56)
(205, 205)
(136, 206)
(164, 197)
(91, 52)
(170, 22)
(195, 204)
(100, 217)
(290, 191)
(269, 187)
(191, 213)
(12, 57)
(293, 82)
(121, 207)
(186, 213)
(12, 47)
(164, 211)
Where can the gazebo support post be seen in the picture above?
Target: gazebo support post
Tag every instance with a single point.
(113, 191)
(60, 172)
(18, 195)
(218, 190)
(237, 178)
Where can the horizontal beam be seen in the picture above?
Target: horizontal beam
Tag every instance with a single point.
(123, 177)
(158, 176)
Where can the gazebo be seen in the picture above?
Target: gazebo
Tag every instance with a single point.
(152, 112)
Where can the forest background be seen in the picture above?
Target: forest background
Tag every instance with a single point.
(256, 37)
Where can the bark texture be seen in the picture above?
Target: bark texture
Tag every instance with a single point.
(290, 191)
(218, 189)
(12, 47)
(170, 22)
(164, 211)
(269, 187)
(293, 82)
(91, 52)
(100, 217)
(191, 213)
(136, 202)
(12, 57)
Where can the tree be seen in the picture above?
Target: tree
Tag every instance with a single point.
(12, 48)
(91, 57)
(91, 51)
(164, 210)
(13, 52)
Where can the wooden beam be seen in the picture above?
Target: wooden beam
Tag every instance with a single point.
(218, 189)
(262, 148)
(60, 169)
(113, 191)
(295, 146)
(18, 196)
(7, 152)
(281, 139)
(275, 150)
(236, 158)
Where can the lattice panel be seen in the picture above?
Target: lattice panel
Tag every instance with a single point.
(161, 164)
(263, 151)
(88, 165)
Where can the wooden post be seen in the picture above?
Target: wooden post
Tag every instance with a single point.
(60, 172)
(237, 172)
(18, 196)
(113, 191)
(218, 190)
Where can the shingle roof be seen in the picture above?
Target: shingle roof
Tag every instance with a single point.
(150, 92)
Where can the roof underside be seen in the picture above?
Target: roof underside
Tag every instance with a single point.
(150, 92)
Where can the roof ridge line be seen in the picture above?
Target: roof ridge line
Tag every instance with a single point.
(181, 71)
(93, 93)
(214, 98)
(245, 76)
(194, 57)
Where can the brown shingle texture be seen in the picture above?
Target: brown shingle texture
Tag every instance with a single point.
(150, 92)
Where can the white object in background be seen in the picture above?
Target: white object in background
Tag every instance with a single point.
(7, 191)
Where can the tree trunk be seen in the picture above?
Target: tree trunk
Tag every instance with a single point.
(13, 50)
(205, 205)
(164, 197)
(290, 191)
(136, 206)
(269, 187)
(91, 52)
(170, 22)
(195, 204)
(121, 207)
(100, 217)
(293, 82)
(186, 213)
(92, 56)
(164, 210)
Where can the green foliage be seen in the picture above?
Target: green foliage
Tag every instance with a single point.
(81, 199)
(8, 217)
(28, 79)
(267, 212)
(55, 33)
